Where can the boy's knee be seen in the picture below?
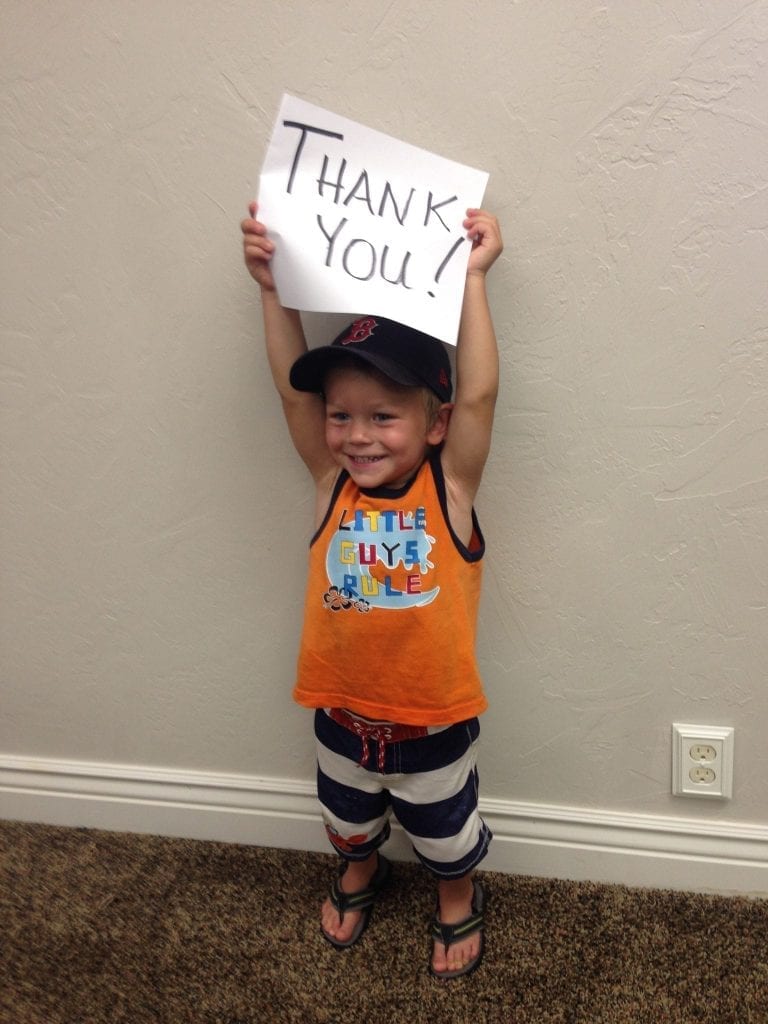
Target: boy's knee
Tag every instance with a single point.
(359, 845)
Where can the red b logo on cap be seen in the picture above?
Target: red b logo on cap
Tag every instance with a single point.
(360, 330)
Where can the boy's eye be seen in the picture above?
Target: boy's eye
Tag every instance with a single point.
(381, 417)
(338, 417)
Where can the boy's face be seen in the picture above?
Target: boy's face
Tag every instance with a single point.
(377, 430)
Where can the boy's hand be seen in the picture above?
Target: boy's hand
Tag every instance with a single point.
(257, 250)
(483, 229)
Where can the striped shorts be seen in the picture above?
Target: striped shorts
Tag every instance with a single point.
(429, 783)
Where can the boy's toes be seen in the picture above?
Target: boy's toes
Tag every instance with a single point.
(332, 924)
(458, 956)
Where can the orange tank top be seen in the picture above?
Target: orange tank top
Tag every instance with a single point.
(391, 606)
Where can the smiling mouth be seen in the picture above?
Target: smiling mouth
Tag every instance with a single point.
(365, 460)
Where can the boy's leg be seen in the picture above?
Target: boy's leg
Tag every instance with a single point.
(456, 905)
(356, 878)
(356, 813)
(435, 801)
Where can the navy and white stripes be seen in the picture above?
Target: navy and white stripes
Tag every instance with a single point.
(430, 784)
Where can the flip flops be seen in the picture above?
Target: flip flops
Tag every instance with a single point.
(357, 901)
(449, 934)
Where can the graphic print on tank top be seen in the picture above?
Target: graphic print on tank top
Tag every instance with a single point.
(380, 559)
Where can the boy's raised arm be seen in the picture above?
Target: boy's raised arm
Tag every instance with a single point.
(285, 342)
(477, 368)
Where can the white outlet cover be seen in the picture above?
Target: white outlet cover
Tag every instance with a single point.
(688, 783)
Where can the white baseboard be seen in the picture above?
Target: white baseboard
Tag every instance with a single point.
(530, 839)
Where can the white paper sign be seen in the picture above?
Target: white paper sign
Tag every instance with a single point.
(365, 223)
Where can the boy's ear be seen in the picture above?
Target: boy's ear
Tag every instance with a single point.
(439, 428)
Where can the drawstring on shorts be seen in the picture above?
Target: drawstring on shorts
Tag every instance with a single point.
(381, 732)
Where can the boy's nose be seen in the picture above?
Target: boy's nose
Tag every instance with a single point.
(358, 431)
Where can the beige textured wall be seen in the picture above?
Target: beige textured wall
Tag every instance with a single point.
(154, 517)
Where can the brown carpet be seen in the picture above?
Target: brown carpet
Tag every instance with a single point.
(100, 928)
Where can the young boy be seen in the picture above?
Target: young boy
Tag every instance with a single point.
(387, 656)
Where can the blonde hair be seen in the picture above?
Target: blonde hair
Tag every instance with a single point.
(433, 404)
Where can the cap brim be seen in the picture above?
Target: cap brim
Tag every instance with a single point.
(309, 371)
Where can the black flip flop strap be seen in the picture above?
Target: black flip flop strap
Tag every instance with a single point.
(448, 934)
(344, 901)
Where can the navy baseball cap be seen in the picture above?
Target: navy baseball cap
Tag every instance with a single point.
(403, 354)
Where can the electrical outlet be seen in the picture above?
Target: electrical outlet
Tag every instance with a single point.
(702, 760)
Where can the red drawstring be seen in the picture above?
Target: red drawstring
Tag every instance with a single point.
(382, 732)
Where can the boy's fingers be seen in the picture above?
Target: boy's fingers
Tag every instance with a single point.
(487, 229)
(481, 224)
(254, 245)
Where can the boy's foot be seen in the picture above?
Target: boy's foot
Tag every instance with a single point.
(457, 929)
(345, 913)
